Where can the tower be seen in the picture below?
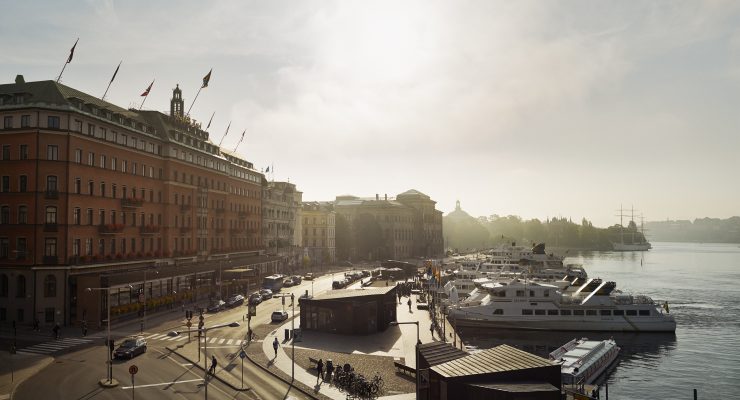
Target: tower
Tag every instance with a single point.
(176, 104)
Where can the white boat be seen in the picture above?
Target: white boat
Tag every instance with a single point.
(582, 360)
(592, 305)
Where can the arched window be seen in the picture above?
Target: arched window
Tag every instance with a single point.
(3, 285)
(51, 215)
(50, 286)
(22, 215)
(20, 286)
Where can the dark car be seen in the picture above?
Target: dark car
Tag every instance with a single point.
(130, 348)
(235, 300)
(278, 316)
(217, 306)
(255, 298)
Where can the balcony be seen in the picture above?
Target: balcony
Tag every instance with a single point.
(51, 227)
(110, 229)
(149, 229)
(51, 260)
(185, 207)
(51, 194)
(131, 203)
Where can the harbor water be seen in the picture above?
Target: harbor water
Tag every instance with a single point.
(701, 283)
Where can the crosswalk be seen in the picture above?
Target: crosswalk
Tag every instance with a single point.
(181, 337)
(56, 345)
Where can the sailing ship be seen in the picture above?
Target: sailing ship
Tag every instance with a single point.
(636, 240)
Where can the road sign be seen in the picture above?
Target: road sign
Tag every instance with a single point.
(242, 354)
(133, 369)
(188, 324)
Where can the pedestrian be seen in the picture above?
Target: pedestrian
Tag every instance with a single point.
(329, 369)
(212, 370)
(275, 345)
(84, 328)
(409, 303)
(319, 370)
(55, 329)
(399, 296)
(36, 325)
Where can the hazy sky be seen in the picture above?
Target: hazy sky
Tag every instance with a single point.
(538, 109)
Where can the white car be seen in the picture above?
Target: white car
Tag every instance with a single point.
(278, 316)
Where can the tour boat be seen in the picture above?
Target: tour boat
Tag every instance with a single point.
(583, 360)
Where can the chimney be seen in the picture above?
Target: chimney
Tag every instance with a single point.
(377, 196)
(19, 79)
(386, 197)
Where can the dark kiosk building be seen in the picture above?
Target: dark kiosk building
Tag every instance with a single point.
(350, 311)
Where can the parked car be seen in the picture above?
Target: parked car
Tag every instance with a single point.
(217, 306)
(130, 348)
(235, 300)
(255, 298)
(308, 276)
(278, 316)
(288, 282)
(297, 279)
(266, 294)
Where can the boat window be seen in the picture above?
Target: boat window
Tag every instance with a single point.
(526, 312)
(552, 312)
(632, 312)
(618, 312)
(498, 311)
(531, 293)
(577, 312)
(644, 313)
(520, 293)
(590, 312)
(539, 312)
(547, 293)
(606, 312)
(564, 312)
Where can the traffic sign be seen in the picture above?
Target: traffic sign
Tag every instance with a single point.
(133, 369)
(188, 324)
(242, 354)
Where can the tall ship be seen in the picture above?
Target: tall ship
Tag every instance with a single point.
(586, 305)
(632, 239)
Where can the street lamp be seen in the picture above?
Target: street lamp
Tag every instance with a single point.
(108, 350)
(205, 349)
(418, 342)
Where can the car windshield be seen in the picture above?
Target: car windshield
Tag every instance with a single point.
(129, 343)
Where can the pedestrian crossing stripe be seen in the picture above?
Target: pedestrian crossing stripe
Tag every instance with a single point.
(166, 338)
(54, 346)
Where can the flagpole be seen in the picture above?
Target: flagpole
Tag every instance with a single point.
(147, 94)
(191, 104)
(210, 120)
(111, 81)
(224, 136)
(69, 59)
(240, 141)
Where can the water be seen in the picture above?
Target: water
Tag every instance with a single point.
(701, 283)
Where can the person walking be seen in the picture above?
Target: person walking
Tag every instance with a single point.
(319, 370)
(275, 345)
(84, 328)
(409, 303)
(212, 370)
(55, 330)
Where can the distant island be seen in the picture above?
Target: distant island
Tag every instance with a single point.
(706, 230)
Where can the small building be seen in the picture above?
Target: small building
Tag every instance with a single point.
(499, 373)
(350, 311)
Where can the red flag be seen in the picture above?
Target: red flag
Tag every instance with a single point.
(146, 92)
(72, 51)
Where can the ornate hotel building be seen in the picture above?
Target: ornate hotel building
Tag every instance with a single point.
(281, 228)
(138, 206)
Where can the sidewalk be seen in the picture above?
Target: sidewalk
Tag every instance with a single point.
(189, 351)
(16, 368)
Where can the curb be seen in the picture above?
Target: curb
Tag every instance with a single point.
(105, 384)
(174, 350)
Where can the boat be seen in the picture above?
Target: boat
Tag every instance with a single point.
(582, 360)
(585, 305)
(638, 243)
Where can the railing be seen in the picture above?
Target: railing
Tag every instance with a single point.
(51, 194)
(131, 203)
(109, 229)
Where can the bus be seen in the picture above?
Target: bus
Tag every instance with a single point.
(273, 282)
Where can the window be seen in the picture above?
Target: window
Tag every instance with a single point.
(498, 311)
(21, 248)
(78, 185)
(49, 314)
(591, 312)
(114, 191)
(88, 247)
(101, 216)
(4, 215)
(578, 312)
(23, 183)
(606, 313)
(101, 246)
(564, 312)
(539, 312)
(4, 248)
(90, 188)
(103, 161)
(552, 312)
(6, 152)
(51, 215)
(102, 189)
(51, 183)
(50, 286)
(3, 285)
(76, 247)
(124, 165)
(50, 247)
(25, 121)
(8, 122)
(24, 152)
(5, 186)
(91, 159)
(91, 129)
(52, 152)
(644, 313)
(52, 122)
(20, 284)
(89, 216)
(520, 293)
(22, 215)
(526, 312)
(618, 312)
(113, 163)
(77, 216)
(78, 156)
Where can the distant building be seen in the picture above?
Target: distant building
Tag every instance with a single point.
(281, 211)
(318, 223)
(410, 225)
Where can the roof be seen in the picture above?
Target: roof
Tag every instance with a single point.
(436, 353)
(413, 192)
(349, 293)
(517, 387)
(498, 359)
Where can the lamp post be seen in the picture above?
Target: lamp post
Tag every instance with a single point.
(205, 350)
(418, 342)
(292, 342)
(107, 302)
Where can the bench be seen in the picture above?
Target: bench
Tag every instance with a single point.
(402, 368)
(313, 361)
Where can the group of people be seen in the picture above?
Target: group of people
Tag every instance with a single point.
(320, 370)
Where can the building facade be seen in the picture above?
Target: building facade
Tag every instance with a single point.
(319, 246)
(92, 192)
(410, 226)
(281, 211)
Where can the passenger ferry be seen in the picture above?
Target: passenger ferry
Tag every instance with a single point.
(592, 305)
(583, 360)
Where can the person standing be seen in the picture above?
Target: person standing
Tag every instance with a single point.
(55, 329)
(275, 345)
(212, 370)
(319, 370)
(329, 370)
(84, 328)
(409, 303)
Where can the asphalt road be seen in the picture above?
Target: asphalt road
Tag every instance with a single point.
(162, 375)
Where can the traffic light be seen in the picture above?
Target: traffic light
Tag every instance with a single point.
(111, 345)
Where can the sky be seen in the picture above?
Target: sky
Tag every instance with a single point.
(531, 108)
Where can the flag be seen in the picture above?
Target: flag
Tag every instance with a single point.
(146, 92)
(115, 73)
(206, 79)
(210, 120)
(242, 138)
(268, 169)
(72, 51)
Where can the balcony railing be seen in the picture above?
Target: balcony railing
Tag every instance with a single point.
(149, 229)
(51, 227)
(110, 229)
(131, 203)
(51, 260)
(51, 194)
